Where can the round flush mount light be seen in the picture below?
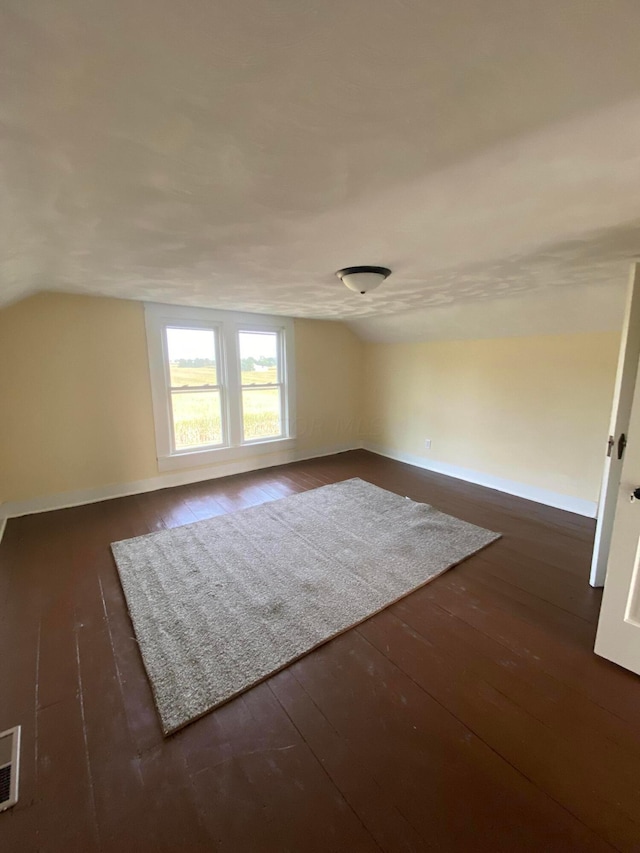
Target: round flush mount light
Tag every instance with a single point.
(363, 279)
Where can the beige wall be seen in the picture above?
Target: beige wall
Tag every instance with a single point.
(76, 400)
(75, 395)
(531, 410)
(329, 384)
(76, 403)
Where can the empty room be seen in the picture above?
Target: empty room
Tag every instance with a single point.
(319, 426)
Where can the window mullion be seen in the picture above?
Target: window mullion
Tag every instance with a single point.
(233, 382)
(283, 381)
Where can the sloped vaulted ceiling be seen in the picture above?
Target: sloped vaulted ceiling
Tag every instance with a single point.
(237, 153)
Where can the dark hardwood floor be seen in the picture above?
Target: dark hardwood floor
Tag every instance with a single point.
(470, 716)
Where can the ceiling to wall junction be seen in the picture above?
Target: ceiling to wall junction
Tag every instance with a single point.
(236, 154)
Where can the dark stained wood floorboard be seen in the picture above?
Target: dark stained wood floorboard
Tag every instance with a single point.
(19, 630)
(424, 757)
(255, 766)
(506, 725)
(389, 827)
(470, 716)
(535, 578)
(551, 700)
(553, 652)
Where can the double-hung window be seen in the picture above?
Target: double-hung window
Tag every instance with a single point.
(263, 391)
(222, 384)
(192, 367)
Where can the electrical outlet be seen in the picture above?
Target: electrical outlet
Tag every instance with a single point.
(427, 444)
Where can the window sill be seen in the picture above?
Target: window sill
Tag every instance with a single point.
(213, 456)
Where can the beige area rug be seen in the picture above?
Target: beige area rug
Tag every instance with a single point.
(219, 605)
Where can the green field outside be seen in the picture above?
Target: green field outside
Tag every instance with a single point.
(207, 376)
(196, 414)
(192, 375)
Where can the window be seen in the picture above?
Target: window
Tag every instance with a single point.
(262, 397)
(221, 383)
(196, 395)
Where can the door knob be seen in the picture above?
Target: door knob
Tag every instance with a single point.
(635, 494)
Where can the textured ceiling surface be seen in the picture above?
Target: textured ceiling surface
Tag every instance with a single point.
(236, 154)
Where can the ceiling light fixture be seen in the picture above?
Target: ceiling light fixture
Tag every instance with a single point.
(363, 279)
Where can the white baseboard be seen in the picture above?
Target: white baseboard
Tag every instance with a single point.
(14, 509)
(579, 506)
(65, 500)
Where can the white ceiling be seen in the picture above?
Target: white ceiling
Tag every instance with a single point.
(235, 153)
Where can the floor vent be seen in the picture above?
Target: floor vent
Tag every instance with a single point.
(9, 764)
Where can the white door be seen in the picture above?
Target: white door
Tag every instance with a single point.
(618, 637)
(618, 428)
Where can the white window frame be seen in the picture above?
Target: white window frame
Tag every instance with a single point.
(281, 383)
(216, 328)
(227, 326)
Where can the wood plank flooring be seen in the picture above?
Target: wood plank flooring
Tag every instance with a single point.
(470, 716)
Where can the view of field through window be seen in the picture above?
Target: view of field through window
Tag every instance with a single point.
(196, 400)
(259, 365)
